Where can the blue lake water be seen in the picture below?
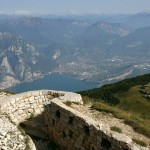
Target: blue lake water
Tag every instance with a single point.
(55, 82)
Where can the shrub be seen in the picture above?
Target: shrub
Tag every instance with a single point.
(68, 103)
(116, 129)
(139, 142)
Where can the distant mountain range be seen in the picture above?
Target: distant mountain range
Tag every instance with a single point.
(94, 48)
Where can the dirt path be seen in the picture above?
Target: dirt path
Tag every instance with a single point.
(109, 120)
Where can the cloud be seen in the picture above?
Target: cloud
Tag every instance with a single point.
(22, 12)
(2, 12)
(75, 12)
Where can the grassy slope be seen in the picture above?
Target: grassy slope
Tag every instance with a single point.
(7, 92)
(130, 104)
(106, 93)
(134, 102)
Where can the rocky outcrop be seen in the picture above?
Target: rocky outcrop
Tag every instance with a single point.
(12, 137)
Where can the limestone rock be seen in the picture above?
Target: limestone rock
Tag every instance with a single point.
(72, 97)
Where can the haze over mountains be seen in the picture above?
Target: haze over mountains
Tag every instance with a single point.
(91, 47)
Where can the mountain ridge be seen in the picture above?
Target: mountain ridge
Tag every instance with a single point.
(94, 51)
(19, 60)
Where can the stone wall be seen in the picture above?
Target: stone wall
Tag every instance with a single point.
(20, 107)
(29, 104)
(73, 131)
(70, 129)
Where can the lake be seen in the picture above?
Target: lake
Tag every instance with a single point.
(55, 82)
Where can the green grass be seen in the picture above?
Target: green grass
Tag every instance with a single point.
(116, 129)
(68, 103)
(86, 100)
(32, 115)
(139, 142)
(26, 138)
(107, 92)
(8, 92)
(135, 102)
(125, 101)
(146, 88)
(139, 124)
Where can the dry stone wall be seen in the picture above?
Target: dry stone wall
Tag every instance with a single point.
(73, 131)
(70, 129)
(29, 104)
(20, 107)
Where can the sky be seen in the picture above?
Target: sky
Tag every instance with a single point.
(76, 7)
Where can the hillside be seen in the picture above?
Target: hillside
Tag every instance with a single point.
(128, 99)
(102, 51)
(135, 44)
(20, 61)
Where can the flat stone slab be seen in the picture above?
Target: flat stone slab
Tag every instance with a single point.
(72, 97)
